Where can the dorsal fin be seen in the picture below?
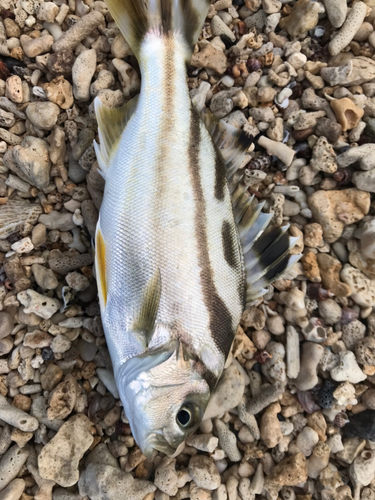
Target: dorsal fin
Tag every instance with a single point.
(266, 250)
(111, 124)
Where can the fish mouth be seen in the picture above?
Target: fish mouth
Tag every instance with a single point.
(157, 442)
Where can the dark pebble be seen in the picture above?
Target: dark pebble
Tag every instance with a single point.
(325, 395)
(302, 135)
(47, 354)
(361, 425)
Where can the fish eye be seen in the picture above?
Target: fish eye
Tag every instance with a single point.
(184, 417)
(188, 415)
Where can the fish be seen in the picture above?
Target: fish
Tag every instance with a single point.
(180, 246)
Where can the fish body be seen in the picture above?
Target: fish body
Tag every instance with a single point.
(170, 265)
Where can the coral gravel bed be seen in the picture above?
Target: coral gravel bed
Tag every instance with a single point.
(293, 417)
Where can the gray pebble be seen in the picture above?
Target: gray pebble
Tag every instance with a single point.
(16, 417)
(43, 114)
(6, 324)
(57, 220)
(14, 490)
(11, 464)
(44, 277)
(228, 441)
(100, 481)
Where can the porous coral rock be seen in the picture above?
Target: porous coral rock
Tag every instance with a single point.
(335, 209)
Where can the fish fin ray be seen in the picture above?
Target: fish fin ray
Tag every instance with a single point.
(144, 322)
(231, 142)
(111, 124)
(137, 18)
(266, 249)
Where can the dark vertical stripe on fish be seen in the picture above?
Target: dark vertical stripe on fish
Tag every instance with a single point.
(220, 177)
(220, 317)
(230, 245)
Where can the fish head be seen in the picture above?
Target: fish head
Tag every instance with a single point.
(164, 398)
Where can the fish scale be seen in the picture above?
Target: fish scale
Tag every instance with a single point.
(171, 270)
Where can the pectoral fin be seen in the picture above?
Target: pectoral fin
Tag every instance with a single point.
(111, 124)
(144, 321)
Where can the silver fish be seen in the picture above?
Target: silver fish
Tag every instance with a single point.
(180, 246)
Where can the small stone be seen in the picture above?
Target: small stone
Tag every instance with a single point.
(100, 481)
(61, 63)
(362, 288)
(13, 89)
(77, 281)
(59, 459)
(228, 441)
(368, 399)
(220, 28)
(350, 27)
(289, 472)
(330, 272)
(15, 489)
(325, 394)
(335, 209)
(364, 181)
(336, 11)
(323, 158)
(365, 351)
(6, 324)
(228, 392)
(11, 464)
(63, 399)
(51, 377)
(33, 159)
(36, 46)
(44, 277)
(204, 472)
(60, 344)
(39, 304)
(47, 12)
(59, 91)
(303, 17)
(347, 113)
(347, 369)
(329, 129)
(43, 114)
(82, 73)
(361, 425)
(356, 71)
(80, 30)
(330, 311)
(311, 267)
(210, 57)
(16, 417)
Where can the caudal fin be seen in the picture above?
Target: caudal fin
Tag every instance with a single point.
(137, 18)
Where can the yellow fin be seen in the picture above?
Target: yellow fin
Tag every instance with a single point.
(136, 18)
(101, 266)
(145, 320)
(111, 124)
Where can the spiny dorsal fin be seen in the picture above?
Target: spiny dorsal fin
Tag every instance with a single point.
(145, 320)
(137, 18)
(232, 142)
(111, 124)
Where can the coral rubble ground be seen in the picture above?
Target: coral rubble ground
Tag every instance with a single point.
(294, 414)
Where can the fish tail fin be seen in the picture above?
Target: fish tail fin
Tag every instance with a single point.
(138, 18)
